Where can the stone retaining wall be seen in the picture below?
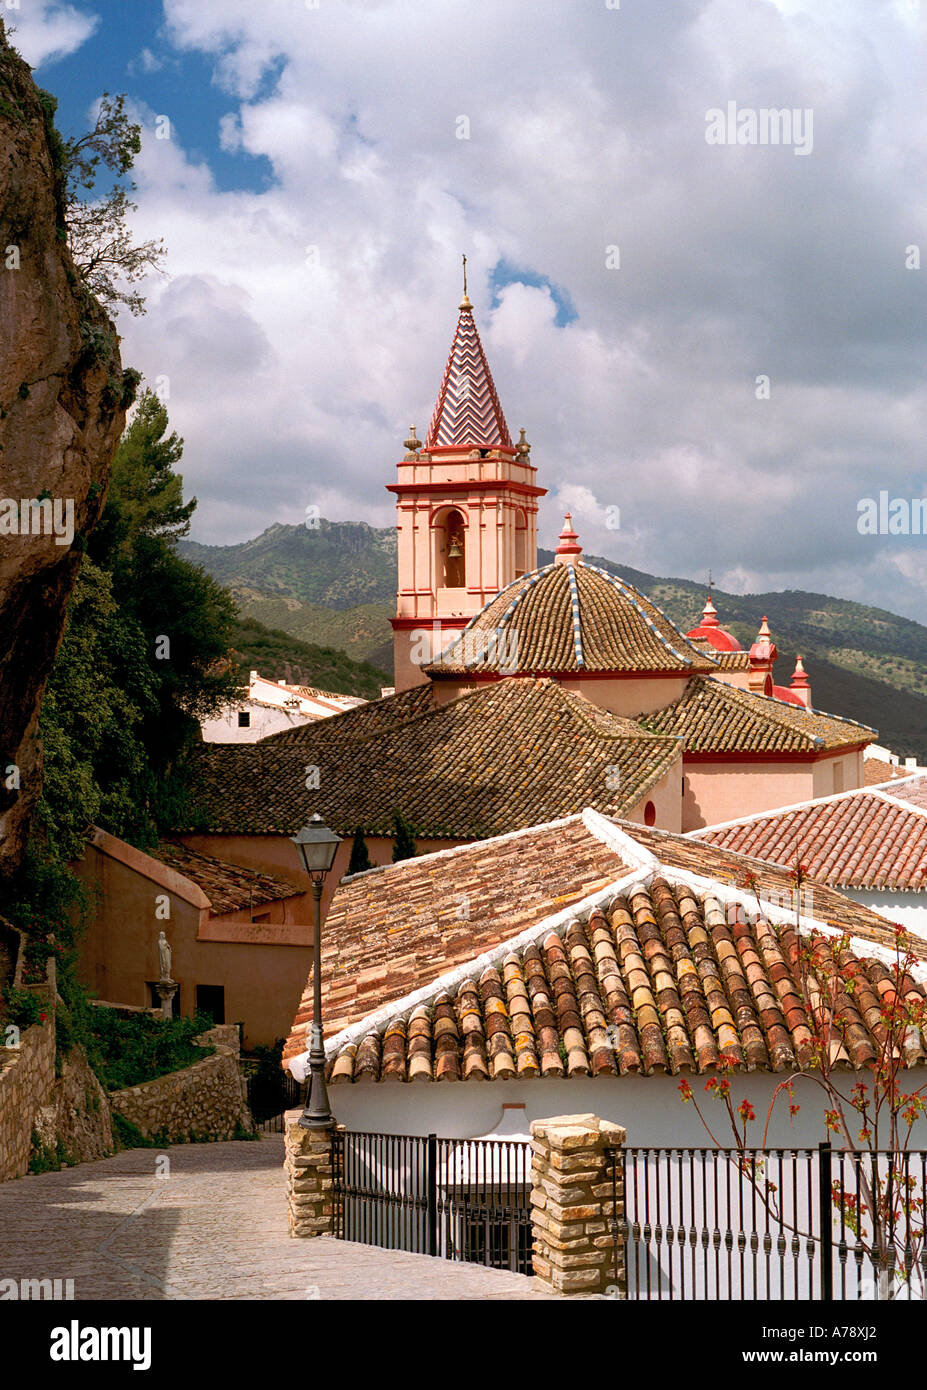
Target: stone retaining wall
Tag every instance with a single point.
(76, 1114)
(27, 1074)
(204, 1101)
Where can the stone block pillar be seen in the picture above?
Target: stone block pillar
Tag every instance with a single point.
(572, 1207)
(309, 1182)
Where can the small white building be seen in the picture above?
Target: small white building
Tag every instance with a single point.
(270, 707)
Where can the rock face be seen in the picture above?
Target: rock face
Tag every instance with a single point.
(63, 397)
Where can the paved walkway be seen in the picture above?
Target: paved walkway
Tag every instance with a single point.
(213, 1226)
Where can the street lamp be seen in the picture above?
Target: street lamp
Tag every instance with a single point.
(317, 847)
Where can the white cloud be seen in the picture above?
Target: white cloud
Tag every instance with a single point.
(46, 30)
(302, 368)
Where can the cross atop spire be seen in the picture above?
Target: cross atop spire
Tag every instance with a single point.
(465, 302)
(467, 413)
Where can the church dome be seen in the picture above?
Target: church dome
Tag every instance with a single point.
(570, 617)
(710, 630)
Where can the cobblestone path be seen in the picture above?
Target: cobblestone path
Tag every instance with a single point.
(212, 1226)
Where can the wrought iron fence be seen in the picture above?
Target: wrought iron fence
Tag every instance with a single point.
(769, 1223)
(462, 1199)
(270, 1095)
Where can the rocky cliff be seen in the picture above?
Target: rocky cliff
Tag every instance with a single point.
(63, 396)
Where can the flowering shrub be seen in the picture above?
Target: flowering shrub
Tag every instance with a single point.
(872, 1120)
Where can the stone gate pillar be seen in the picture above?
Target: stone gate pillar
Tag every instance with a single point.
(309, 1178)
(573, 1206)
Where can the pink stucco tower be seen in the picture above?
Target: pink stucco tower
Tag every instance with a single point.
(466, 509)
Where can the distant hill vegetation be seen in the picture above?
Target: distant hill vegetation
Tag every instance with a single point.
(334, 588)
(279, 655)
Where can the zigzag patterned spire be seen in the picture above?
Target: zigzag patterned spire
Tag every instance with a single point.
(468, 412)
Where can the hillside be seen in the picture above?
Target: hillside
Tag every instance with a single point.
(279, 655)
(339, 565)
(334, 587)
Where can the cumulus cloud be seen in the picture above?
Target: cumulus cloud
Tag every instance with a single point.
(46, 30)
(307, 324)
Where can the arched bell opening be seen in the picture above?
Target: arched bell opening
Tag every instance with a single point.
(521, 543)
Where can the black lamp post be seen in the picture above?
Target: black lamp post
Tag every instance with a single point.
(317, 847)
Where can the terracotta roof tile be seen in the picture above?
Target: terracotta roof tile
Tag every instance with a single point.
(871, 838)
(227, 886)
(699, 855)
(387, 927)
(661, 980)
(667, 958)
(570, 618)
(513, 754)
(712, 717)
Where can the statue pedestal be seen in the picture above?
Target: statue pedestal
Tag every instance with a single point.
(166, 991)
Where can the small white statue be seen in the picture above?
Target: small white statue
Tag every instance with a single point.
(164, 956)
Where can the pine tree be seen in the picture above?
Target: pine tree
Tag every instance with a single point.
(404, 838)
(360, 860)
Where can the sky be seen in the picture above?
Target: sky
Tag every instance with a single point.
(721, 337)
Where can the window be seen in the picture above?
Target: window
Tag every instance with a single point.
(650, 814)
(496, 1238)
(244, 719)
(210, 999)
(521, 543)
(454, 557)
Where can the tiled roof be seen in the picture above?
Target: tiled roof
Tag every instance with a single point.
(727, 661)
(868, 838)
(912, 790)
(467, 411)
(385, 927)
(399, 936)
(712, 717)
(512, 754)
(227, 886)
(367, 719)
(663, 978)
(723, 865)
(570, 617)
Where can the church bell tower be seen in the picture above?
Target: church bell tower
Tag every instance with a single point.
(466, 509)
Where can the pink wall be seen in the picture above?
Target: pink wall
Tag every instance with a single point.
(263, 979)
(722, 791)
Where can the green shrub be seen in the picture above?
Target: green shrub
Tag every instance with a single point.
(45, 1160)
(23, 1007)
(138, 1049)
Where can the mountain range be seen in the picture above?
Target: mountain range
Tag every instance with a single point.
(332, 589)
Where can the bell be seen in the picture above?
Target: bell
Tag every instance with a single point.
(454, 550)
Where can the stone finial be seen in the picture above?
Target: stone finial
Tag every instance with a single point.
(412, 444)
(522, 448)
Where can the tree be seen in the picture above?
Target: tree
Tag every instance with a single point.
(145, 493)
(105, 256)
(185, 616)
(360, 860)
(403, 838)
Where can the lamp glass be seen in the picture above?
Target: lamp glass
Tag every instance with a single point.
(317, 846)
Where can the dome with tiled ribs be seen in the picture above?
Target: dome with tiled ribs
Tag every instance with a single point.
(570, 617)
